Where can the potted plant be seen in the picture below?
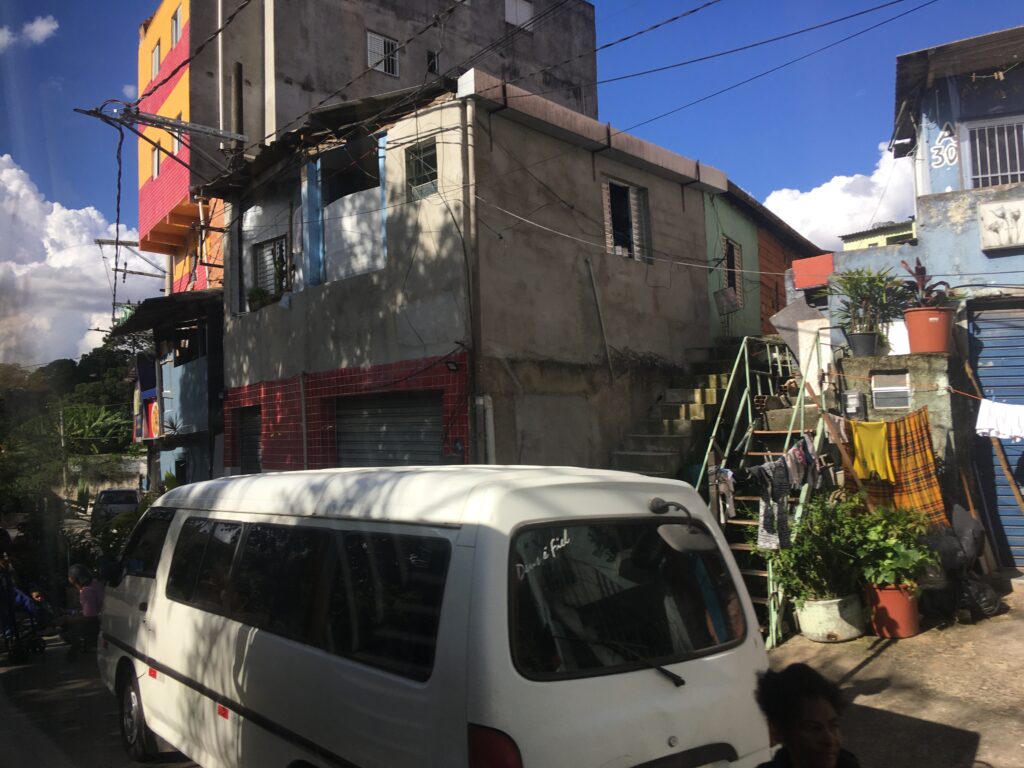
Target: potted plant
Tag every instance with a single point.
(893, 555)
(259, 297)
(819, 570)
(869, 301)
(929, 319)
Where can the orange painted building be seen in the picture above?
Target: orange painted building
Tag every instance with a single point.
(171, 220)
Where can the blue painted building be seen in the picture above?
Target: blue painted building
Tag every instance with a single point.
(959, 114)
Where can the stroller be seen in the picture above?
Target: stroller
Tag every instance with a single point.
(954, 588)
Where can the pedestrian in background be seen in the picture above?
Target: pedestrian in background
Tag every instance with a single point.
(802, 708)
(81, 627)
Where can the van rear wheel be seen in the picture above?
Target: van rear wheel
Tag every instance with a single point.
(137, 739)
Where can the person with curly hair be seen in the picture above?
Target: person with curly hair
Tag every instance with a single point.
(802, 708)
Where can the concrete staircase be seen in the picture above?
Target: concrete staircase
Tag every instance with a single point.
(677, 424)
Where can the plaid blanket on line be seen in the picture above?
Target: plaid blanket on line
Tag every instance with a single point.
(913, 461)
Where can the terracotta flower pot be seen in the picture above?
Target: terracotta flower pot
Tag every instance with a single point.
(893, 611)
(928, 328)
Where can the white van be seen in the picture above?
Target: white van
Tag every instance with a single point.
(480, 617)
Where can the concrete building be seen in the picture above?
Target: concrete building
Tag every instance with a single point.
(485, 276)
(276, 59)
(959, 113)
(885, 233)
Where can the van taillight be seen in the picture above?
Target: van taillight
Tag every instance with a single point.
(489, 748)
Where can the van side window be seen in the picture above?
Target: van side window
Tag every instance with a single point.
(142, 553)
(201, 565)
(386, 602)
(279, 581)
(213, 591)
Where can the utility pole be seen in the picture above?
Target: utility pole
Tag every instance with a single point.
(63, 451)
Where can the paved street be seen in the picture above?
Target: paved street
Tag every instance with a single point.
(57, 714)
(949, 698)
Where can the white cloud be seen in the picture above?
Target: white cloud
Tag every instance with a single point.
(846, 204)
(40, 29)
(53, 280)
(34, 32)
(129, 91)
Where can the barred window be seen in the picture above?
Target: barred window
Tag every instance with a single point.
(996, 152)
(382, 54)
(271, 267)
(732, 262)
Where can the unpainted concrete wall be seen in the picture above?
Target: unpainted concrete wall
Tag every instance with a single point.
(543, 351)
(950, 415)
(414, 307)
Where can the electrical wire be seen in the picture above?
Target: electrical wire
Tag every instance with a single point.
(708, 57)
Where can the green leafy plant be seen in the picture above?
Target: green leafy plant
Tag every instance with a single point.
(922, 291)
(259, 297)
(869, 299)
(891, 547)
(821, 563)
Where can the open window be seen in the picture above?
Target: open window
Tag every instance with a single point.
(626, 221)
(421, 169)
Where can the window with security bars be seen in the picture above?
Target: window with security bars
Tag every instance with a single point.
(382, 54)
(626, 221)
(421, 169)
(270, 266)
(732, 262)
(996, 152)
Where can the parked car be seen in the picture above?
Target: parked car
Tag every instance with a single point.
(110, 503)
(455, 617)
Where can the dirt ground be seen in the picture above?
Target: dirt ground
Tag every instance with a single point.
(952, 697)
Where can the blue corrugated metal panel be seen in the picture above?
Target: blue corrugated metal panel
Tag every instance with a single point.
(997, 352)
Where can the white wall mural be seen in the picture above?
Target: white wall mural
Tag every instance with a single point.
(1001, 225)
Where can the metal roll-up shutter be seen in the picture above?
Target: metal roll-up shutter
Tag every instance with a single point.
(249, 449)
(997, 353)
(390, 430)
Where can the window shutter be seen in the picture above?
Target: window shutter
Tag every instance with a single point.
(638, 215)
(606, 198)
(734, 271)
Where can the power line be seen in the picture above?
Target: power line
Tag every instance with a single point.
(710, 56)
(767, 72)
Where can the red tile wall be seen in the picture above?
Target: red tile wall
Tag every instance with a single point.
(281, 408)
(159, 196)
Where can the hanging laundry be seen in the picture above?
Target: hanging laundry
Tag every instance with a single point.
(871, 448)
(1002, 420)
(795, 465)
(839, 425)
(725, 484)
(772, 480)
(913, 460)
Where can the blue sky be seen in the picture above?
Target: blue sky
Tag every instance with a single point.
(806, 127)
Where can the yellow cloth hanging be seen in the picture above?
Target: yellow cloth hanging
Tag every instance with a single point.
(871, 446)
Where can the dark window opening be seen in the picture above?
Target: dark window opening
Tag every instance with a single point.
(421, 169)
(348, 169)
(250, 450)
(271, 266)
(433, 62)
(622, 220)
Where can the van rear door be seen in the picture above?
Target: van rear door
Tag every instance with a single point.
(633, 641)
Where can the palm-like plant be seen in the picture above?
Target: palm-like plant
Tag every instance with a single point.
(869, 299)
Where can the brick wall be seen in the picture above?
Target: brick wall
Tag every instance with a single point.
(775, 258)
(281, 409)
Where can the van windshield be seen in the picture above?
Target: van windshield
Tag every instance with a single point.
(605, 597)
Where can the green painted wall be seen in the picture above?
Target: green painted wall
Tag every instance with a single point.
(722, 219)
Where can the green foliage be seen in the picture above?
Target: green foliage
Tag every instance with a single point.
(870, 299)
(822, 561)
(170, 480)
(922, 291)
(891, 547)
